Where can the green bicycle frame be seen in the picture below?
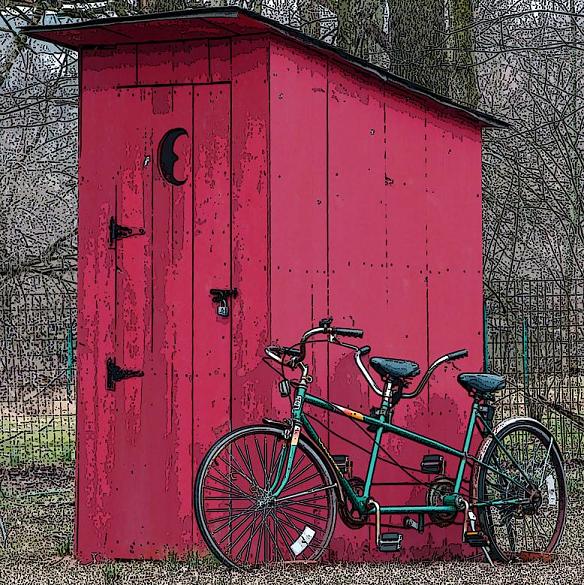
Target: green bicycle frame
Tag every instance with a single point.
(383, 425)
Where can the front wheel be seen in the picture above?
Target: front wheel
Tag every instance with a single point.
(520, 489)
(242, 523)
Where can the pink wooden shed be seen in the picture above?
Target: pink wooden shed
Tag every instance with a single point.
(220, 150)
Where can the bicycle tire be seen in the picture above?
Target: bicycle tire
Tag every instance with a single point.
(546, 490)
(289, 529)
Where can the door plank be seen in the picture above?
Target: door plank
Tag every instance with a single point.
(212, 266)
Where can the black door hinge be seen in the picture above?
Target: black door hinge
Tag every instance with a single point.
(116, 374)
(119, 232)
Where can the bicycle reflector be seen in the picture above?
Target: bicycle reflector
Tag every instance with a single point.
(284, 387)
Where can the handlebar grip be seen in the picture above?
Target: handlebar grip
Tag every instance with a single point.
(347, 332)
(456, 355)
(282, 350)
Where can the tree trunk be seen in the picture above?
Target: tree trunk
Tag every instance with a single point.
(463, 75)
(309, 14)
(417, 32)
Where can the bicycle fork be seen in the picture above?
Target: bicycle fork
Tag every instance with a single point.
(280, 482)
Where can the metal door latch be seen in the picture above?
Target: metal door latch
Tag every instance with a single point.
(219, 295)
(116, 374)
(119, 232)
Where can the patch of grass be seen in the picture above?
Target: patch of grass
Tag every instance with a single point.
(172, 561)
(65, 546)
(38, 439)
(202, 562)
(111, 573)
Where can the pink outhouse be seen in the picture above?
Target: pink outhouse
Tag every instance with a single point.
(221, 150)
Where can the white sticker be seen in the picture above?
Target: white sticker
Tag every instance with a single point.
(551, 487)
(303, 541)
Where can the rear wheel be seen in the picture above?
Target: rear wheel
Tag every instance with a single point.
(242, 523)
(523, 471)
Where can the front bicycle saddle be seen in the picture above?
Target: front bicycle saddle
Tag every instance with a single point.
(394, 369)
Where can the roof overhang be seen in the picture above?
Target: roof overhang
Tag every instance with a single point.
(219, 23)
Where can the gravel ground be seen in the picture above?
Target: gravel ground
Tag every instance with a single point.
(40, 530)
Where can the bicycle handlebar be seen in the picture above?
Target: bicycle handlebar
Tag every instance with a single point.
(456, 355)
(346, 332)
(277, 353)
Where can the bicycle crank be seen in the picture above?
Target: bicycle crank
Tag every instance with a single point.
(474, 537)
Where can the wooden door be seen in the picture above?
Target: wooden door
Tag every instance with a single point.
(170, 369)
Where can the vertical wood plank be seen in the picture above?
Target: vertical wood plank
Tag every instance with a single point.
(132, 302)
(211, 268)
(455, 282)
(357, 257)
(253, 383)
(95, 306)
(298, 242)
(406, 285)
(169, 415)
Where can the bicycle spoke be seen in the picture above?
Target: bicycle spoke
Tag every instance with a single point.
(273, 539)
(230, 518)
(220, 491)
(308, 503)
(305, 492)
(312, 543)
(262, 460)
(225, 483)
(247, 546)
(300, 482)
(233, 528)
(273, 464)
(239, 469)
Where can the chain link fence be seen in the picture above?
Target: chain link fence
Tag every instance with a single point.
(534, 336)
(37, 372)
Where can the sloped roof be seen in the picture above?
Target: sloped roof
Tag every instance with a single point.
(220, 23)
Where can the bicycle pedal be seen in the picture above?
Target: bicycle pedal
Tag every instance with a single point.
(344, 463)
(476, 539)
(390, 542)
(433, 464)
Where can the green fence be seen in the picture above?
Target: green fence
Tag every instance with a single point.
(37, 375)
(535, 338)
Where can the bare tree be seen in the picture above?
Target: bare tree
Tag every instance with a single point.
(530, 68)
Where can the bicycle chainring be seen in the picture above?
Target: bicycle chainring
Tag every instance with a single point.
(438, 488)
(351, 517)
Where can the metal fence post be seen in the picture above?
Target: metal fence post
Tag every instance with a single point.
(527, 396)
(485, 337)
(70, 363)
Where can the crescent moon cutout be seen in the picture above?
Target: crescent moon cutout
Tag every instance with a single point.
(167, 157)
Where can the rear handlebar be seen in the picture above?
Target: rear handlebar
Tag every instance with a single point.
(346, 332)
(456, 355)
